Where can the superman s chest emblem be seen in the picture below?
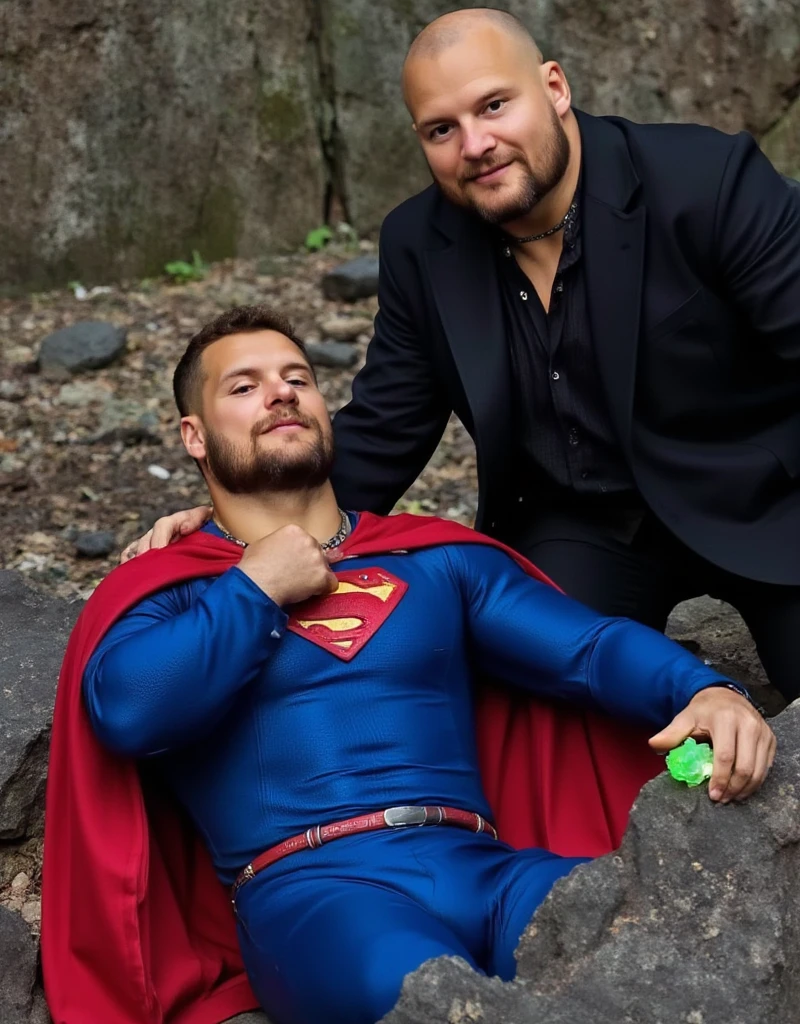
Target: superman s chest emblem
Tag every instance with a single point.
(342, 622)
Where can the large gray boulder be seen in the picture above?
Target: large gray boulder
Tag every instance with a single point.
(18, 956)
(144, 130)
(695, 919)
(32, 641)
(715, 632)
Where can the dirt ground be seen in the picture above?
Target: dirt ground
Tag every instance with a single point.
(101, 450)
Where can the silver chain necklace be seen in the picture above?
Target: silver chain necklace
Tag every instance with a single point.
(565, 220)
(332, 542)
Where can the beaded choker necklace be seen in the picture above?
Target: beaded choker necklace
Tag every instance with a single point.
(565, 220)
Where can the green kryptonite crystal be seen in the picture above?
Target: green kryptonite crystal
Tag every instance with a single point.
(691, 762)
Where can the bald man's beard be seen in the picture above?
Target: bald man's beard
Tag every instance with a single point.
(553, 155)
(298, 465)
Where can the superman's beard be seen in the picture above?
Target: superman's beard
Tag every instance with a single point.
(298, 465)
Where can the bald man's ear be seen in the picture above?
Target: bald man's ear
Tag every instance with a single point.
(556, 86)
(193, 436)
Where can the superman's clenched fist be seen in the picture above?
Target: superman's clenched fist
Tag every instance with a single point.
(290, 566)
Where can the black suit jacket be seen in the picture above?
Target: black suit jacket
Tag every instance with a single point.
(692, 259)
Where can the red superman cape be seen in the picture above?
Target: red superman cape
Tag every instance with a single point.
(136, 927)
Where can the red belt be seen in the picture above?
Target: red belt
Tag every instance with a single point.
(392, 817)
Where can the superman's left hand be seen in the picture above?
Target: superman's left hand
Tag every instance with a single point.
(744, 745)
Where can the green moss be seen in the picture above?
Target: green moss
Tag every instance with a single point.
(282, 115)
(220, 224)
(345, 25)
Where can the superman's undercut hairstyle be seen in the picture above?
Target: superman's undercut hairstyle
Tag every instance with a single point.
(188, 380)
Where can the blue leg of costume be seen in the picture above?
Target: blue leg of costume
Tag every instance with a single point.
(332, 939)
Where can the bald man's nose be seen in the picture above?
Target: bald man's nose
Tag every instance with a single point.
(476, 141)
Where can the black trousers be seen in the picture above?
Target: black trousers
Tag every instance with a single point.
(643, 571)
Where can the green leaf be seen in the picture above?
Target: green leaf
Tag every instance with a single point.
(318, 238)
(181, 271)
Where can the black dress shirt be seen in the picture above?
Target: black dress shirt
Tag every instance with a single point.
(563, 428)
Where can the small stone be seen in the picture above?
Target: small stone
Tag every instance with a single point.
(11, 463)
(81, 393)
(32, 912)
(20, 883)
(40, 541)
(159, 472)
(12, 390)
(127, 421)
(86, 345)
(336, 354)
(357, 279)
(95, 544)
(20, 355)
(345, 328)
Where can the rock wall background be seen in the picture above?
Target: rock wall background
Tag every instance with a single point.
(133, 132)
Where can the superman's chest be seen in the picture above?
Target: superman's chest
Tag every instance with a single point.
(396, 616)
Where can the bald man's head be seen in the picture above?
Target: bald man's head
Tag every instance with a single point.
(488, 112)
(451, 28)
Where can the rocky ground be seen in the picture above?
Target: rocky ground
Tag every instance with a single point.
(98, 453)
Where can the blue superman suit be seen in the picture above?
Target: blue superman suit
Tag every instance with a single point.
(263, 726)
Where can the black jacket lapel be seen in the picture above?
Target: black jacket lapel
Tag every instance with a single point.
(464, 282)
(613, 240)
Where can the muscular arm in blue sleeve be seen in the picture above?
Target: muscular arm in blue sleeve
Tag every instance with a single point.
(532, 636)
(168, 670)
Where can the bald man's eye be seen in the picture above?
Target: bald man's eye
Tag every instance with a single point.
(439, 132)
(495, 106)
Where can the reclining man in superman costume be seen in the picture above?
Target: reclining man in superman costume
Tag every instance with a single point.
(301, 679)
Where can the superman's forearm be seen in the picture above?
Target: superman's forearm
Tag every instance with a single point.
(639, 673)
(157, 683)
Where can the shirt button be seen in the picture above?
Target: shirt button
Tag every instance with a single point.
(556, 375)
(275, 634)
(507, 251)
(523, 296)
(584, 475)
(559, 288)
(573, 436)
